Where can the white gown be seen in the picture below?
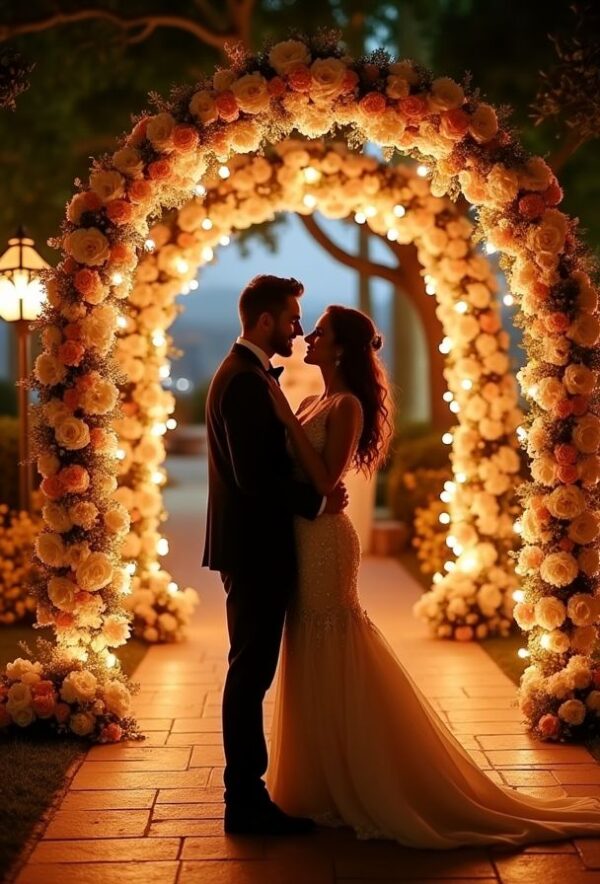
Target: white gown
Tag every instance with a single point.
(355, 742)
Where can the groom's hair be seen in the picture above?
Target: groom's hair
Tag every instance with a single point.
(266, 294)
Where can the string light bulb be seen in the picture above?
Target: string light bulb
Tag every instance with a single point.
(523, 653)
(224, 172)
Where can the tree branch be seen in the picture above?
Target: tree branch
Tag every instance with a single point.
(572, 142)
(371, 268)
(182, 23)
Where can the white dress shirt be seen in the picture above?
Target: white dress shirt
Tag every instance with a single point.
(266, 364)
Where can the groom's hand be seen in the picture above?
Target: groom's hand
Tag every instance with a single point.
(337, 500)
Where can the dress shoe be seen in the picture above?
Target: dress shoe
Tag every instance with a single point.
(264, 820)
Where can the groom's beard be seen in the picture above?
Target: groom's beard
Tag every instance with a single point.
(283, 346)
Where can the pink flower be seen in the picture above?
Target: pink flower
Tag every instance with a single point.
(227, 106)
(549, 726)
(567, 473)
(532, 205)
(454, 122)
(71, 352)
(300, 79)
(463, 634)
(62, 712)
(111, 733)
(373, 104)
(185, 138)
(565, 454)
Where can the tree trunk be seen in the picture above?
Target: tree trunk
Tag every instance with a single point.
(364, 280)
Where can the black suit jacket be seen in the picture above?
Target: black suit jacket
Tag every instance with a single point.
(252, 496)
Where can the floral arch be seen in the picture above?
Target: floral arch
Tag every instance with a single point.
(313, 88)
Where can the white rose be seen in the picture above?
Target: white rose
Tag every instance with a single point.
(117, 698)
(107, 184)
(159, 131)
(79, 686)
(87, 245)
(572, 711)
(284, 57)
(559, 569)
(95, 572)
(24, 670)
(550, 613)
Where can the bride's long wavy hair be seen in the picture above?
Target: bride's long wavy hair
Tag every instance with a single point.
(363, 372)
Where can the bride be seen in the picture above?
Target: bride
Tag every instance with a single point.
(354, 742)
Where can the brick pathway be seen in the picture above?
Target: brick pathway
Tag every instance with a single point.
(152, 812)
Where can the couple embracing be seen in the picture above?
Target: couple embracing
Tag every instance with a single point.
(354, 742)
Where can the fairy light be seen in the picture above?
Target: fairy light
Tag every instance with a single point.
(164, 371)
(446, 345)
(490, 249)
(185, 289)
(422, 171)
(309, 201)
(116, 278)
(518, 595)
(444, 518)
(224, 172)
(224, 240)
(445, 497)
(449, 566)
(450, 486)
(110, 661)
(461, 306)
(448, 396)
(517, 527)
(200, 190)
(171, 423)
(181, 265)
(508, 300)
(461, 477)
(121, 322)
(392, 235)
(466, 384)
(158, 429)
(370, 211)
(545, 641)
(311, 175)
(523, 653)
(360, 217)
(207, 224)
(120, 454)
(399, 211)
(451, 541)
(172, 588)
(131, 568)
(158, 477)
(149, 245)
(158, 339)
(438, 577)
(162, 547)
(447, 438)
(468, 562)
(207, 253)
(430, 288)
(521, 434)
(154, 566)
(457, 549)
(193, 284)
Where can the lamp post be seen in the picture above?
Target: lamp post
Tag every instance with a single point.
(21, 298)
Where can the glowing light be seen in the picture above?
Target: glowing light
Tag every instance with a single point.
(207, 253)
(446, 345)
(461, 477)
(517, 527)
(172, 588)
(451, 540)
(116, 278)
(508, 300)
(448, 396)
(518, 595)
(430, 289)
(158, 477)
(185, 289)
(158, 339)
(523, 653)
(311, 175)
(122, 322)
(207, 224)
(154, 566)
(162, 547)
(224, 172)
(399, 211)
(392, 235)
(447, 438)
(309, 201)
(360, 217)
(444, 518)
(466, 384)
(422, 171)
(450, 486)
(131, 568)
(370, 211)
(183, 384)
(200, 190)
(449, 566)
(469, 562)
(437, 577)
(545, 641)
(181, 265)
(445, 497)
(158, 429)
(458, 549)
(193, 284)
(164, 371)
(490, 249)
(149, 245)
(454, 407)
(120, 454)
(171, 423)
(461, 306)
(224, 240)
(111, 661)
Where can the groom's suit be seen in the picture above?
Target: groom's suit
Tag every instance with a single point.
(252, 499)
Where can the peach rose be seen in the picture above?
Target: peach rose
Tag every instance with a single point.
(585, 330)
(117, 519)
(572, 711)
(535, 175)
(115, 630)
(588, 471)
(84, 513)
(530, 559)
(72, 433)
(44, 706)
(128, 161)
(558, 642)
(76, 554)
(583, 639)
(82, 202)
(284, 57)
(49, 548)
(56, 517)
(49, 370)
(203, 107)
(107, 184)
(111, 733)
(582, 609)
(524, 614)
(119, 212)
(99, 397)
(251, 93)
(95, 572)
(446, 94)
(558, 569)
(159, 131)
(227, 106)
(139, 191)
(397, 87)
(566, 503)
(586, 434)
(327, 78)
(160, 170)
(585, 528)
(550, 612)
(543, 470)
(82, 723)
(484, 123)
(62, 592)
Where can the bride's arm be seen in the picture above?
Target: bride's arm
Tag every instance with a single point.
(325, 470)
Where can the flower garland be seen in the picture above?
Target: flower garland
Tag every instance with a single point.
(17, 536)
(313, 87)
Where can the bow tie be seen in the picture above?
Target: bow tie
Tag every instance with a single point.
(275, 372)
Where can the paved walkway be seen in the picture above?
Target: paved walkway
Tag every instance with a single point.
(152, 812)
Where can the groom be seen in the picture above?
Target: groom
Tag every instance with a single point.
(252, 499)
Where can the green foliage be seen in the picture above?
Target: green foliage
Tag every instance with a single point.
(8, 398)
(9, 456)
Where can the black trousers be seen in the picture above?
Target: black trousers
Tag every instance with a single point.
(256, 607)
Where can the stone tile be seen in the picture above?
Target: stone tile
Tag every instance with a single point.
(528, 778)
(207, 756)
(185, 779)
(190, 796)
(539, 757)
(97, 824)
(100, 873)
(106, 850)
(108, 799)
(483, 725)
(544, 792)
(179, 762)
(222, 847)
(255, 872)
(206, 810)
(139, 752)
(155, 724)
(527, 868)
(503, 715)
(580, 775)
(509, 741)
(196, 739)
(386, 860)
(189, 725)
(185, 828)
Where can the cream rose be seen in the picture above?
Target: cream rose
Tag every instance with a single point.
(543, 470)
(583, 639)
(501, 185)
(87, 245)
(579, 380)
(95, 572)
(524, 614)
(251, 93)
(79, 686)
(24, 670)
(284, 57)
(117, 520)
(566, 502)
(585, 330)
(586, 434)
(129, 161)
(19, 697)
(572, 711)
(550, 612)
(100, 397)
(484, 123)
(107, 184)
(56, 517)
(50, 549)
(585, 528)
(98, 327)
(558, 569)
(589, 562)
(117, 698)
(115, 630)
(446, 94)
(535, 175)
(550, 392)
(556, 349)
(61, 592)
(159, 131)
(558, 642)
(48, 464)
(72, 433)
(48, 370)
(203, 107)
(327, 78)
(582, 609)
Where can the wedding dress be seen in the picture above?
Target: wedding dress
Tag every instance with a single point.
(355, 742)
